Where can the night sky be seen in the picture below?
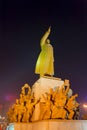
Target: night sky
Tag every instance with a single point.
(22, 24)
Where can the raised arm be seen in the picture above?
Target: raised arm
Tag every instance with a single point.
(45, 36)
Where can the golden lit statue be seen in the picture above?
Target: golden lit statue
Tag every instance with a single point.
(45, 61)
(72, 106)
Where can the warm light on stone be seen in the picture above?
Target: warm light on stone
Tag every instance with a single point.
(52, 125)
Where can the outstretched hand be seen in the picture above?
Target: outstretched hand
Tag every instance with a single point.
(49, 29)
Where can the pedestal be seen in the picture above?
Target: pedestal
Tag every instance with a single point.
(52, 125)
(43, 85)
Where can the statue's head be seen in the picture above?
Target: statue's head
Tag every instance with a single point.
(48, 41)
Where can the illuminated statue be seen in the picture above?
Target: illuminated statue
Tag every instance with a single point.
(46, 108)
(56, 104)
(44, 64)
(72, 106)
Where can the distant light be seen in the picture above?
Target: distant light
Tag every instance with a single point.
(85, 105)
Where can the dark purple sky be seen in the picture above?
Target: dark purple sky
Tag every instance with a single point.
(22, 24)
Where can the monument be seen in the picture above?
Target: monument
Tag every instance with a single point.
(50, 103)
(45, 62)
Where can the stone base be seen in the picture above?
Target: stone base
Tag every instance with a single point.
(52, 125)
(43, 85)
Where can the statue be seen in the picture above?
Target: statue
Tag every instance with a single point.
(56, 104)
(44, 64)
(59, 101)
(15, 111)
(72, 106)
(45, 108)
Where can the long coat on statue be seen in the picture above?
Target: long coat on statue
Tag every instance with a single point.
(45, 61)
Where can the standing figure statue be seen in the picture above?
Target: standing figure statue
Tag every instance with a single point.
(45, 61)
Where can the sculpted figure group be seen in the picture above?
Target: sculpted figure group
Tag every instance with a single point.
(23, 108)
(57, 104)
